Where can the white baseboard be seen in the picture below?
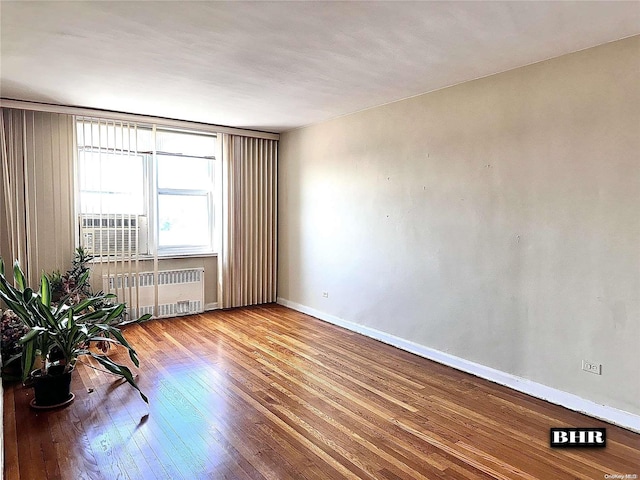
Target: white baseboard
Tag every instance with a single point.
(211, 306)
(612, 415)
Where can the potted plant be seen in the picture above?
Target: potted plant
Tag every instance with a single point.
(61, 333)
(12, 330)
(73, 287)
(74, 283)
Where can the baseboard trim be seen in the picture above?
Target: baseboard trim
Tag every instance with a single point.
(573, 402)
(211, 306)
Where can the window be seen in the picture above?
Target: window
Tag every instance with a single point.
(144, 189)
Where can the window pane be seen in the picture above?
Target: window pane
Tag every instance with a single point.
(183, 220)
(111, 183)
(92, 202)
(184, 173)
(185, 143)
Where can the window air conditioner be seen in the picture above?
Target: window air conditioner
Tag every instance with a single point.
(114, 234)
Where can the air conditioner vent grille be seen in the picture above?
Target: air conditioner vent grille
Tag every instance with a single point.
(113, 234)
(110, 222)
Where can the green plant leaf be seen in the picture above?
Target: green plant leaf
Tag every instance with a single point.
(92, 316)
(17, 308)
(18, 276)
(12, 359)
(142, 319)
(104, 339)
(7, 287)
(27, 337)
(45, 291)
(117, 334)
(46, 317)
(120, 370)
(116, 312)
(28, 357)
(84, 304)
(83, 279)
(27, 295)
(69, 320)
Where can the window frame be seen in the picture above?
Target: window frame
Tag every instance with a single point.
(151, 192)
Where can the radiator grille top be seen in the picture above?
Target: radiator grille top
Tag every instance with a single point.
(178, 292)
(146, 279)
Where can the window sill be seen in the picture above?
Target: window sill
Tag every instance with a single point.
(146, 258)
(183, 255)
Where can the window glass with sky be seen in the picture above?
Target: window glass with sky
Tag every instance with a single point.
(157, 177)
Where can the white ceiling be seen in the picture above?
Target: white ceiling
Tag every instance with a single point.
(274, 66)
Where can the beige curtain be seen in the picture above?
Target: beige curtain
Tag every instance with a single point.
(13, 237)
(36, 182)
(247, 270)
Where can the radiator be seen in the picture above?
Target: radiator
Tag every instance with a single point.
(180, 292)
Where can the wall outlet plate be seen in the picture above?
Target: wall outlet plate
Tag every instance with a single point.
(325, 294)
(592, 367)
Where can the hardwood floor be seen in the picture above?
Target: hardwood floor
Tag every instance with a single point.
(266, 392)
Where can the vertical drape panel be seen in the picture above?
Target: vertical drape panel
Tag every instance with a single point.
(37, 190)
(249, 237)
(13, 237)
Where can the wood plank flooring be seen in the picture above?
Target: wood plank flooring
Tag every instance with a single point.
(269, 393)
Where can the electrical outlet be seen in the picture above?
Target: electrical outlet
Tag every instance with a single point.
(592, 367)
(325, 294)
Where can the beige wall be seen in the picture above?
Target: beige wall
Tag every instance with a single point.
(497, 221)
